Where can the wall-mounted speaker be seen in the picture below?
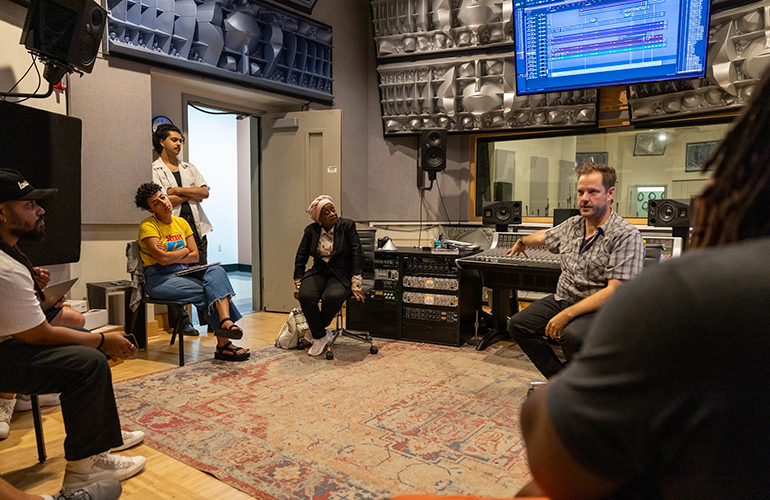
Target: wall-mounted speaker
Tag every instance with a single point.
(668, 213)
(433, 150)
(502, 213)
(65, 31)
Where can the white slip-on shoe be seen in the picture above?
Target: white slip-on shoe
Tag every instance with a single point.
(80, 473)
(6, 412)
(129, 439)
(103, 490)
(24, 403)
(320, 344)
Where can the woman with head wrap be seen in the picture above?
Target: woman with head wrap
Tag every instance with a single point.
(336, 273)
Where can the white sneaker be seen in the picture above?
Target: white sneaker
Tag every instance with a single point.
(24, 403)
(6, 412)
(129, 439)
(103, 490)
(80, 473)
(320, 344)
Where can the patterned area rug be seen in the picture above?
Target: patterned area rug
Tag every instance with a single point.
(415, 418)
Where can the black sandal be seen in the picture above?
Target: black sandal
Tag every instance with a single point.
(234, 332)
(228, 352)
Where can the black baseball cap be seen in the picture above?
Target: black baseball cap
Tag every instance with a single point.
(14, 187)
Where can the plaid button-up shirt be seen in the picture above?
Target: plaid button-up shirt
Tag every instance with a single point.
(616, 251)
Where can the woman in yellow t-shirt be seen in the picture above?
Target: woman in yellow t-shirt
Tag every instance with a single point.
(167, 245)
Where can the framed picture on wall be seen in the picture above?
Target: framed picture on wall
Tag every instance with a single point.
(697, 153)
(581, 158)
(647, 144)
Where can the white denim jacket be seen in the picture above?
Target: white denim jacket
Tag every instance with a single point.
(190, 178)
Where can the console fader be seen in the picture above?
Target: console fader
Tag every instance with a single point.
(502, 242)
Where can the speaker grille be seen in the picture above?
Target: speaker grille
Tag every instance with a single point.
(434, 138)
(89, 48)
(434, 157)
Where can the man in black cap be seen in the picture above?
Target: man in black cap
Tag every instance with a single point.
(38, 358)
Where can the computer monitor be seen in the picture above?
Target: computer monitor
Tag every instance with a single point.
(570, 44)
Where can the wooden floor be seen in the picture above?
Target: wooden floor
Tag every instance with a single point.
(163, 477)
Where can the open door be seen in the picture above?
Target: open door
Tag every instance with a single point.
(301, 154)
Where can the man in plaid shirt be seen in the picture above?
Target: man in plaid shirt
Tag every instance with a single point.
(598, 250)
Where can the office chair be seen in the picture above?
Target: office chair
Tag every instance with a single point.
(368, 243)
(132, 253)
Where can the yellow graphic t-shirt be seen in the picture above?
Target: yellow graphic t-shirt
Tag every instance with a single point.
(173, 236)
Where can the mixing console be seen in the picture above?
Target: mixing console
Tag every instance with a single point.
(502, 242)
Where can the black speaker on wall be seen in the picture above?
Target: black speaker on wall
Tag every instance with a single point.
(433, 150)
(501, 214)
(45, 148)
(65, 31)
(668, 213)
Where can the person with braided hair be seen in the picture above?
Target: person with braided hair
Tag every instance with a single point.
(668, 397)
(37, 357)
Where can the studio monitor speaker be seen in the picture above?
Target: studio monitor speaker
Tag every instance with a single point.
(65, 31)
(502, 213)
(433, 149)
(668, 213)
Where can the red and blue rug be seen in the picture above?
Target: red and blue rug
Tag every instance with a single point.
(415, 418)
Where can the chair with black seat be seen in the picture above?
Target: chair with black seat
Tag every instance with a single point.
(137, 272)
(368, 244)
(38, 423)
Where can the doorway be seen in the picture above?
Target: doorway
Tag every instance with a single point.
(220, 143)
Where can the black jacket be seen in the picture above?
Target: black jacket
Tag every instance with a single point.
(347, 258)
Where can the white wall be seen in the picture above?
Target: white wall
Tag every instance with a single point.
(212, 143)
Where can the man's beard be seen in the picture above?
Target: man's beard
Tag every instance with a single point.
(36, 233)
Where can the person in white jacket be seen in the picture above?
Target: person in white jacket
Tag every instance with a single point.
(186, 188)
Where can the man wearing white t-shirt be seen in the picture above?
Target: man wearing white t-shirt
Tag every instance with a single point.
(38, 358)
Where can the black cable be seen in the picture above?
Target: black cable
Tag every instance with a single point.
(39, 81)
(25, 96)
(419, 236)
(441, 197)
(22, 77)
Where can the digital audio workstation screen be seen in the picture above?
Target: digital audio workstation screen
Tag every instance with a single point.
(563, 44)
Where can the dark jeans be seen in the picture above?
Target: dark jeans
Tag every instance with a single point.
(82, 376)
(325, 287)
(527, 327)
